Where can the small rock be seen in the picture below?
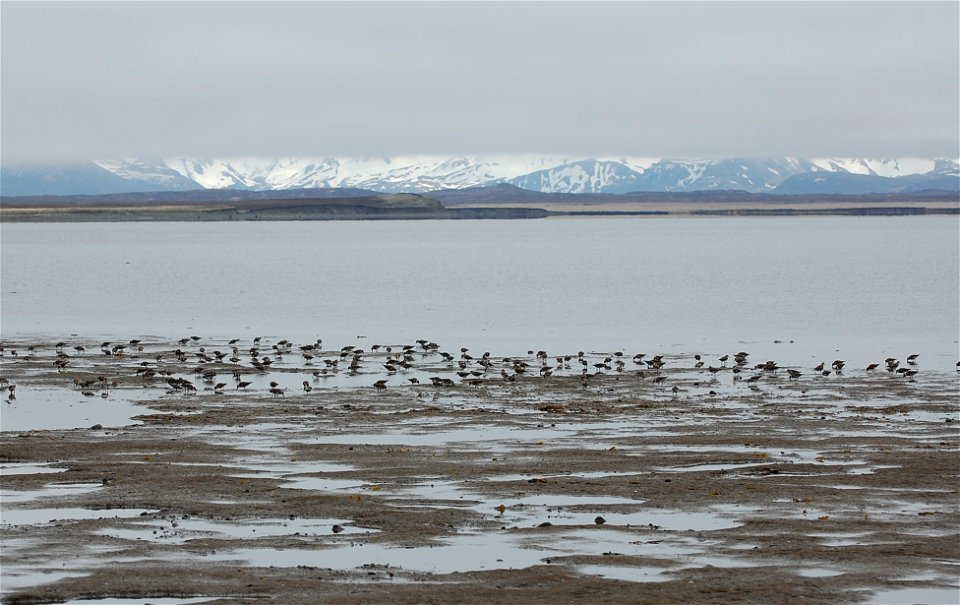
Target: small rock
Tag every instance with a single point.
(337, 529)
(599, 520)
(96, 427)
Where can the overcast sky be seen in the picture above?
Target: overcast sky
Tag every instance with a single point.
(691, 80)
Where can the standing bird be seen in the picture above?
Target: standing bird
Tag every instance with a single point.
(872, 367)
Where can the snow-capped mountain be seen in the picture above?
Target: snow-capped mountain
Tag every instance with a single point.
(82, 178)
(755, 176)
(421, 173)
(585, 176)
(154, 172)
(393, 174)
(751, 175)
(888, 168)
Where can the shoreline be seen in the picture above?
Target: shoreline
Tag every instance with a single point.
(482, 490)
(421, 207)
(460, 213)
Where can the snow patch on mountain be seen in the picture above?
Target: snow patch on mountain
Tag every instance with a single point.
(877, 167)
(585, 176)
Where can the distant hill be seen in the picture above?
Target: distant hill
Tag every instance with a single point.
(77, 179)
(192, 196)
(846, 183)
(423, 174)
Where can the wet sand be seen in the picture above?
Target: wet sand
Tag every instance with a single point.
(613, 488)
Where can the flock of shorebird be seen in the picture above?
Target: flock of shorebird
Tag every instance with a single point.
(424, 356)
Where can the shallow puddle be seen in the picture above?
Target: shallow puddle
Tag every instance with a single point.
(35, 516)
(557, 511)
(180, 530)
(933, 595)
(27, 468)
(16, 578)
(574, 510)
(583, 475)
(818, 572)
(672, 520)
(319, 483)
(627, 574)
(288, 466)
(720, 466)
(50, 491)
(143, 601)
(471, 552)
(469, 437)
(48, 409)
(461, 554)
(509, 550)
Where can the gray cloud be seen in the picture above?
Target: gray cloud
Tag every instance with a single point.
(83, 80)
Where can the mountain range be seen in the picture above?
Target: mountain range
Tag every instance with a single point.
(420, 174)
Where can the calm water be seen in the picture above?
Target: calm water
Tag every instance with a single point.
(856, 287)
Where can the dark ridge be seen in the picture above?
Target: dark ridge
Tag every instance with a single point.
(864, 211)
(508, 194)
(500, 193)
(403, 206)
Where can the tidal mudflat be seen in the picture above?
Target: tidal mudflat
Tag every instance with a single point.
(205, 471)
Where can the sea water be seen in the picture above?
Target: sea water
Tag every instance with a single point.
(795, 289)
